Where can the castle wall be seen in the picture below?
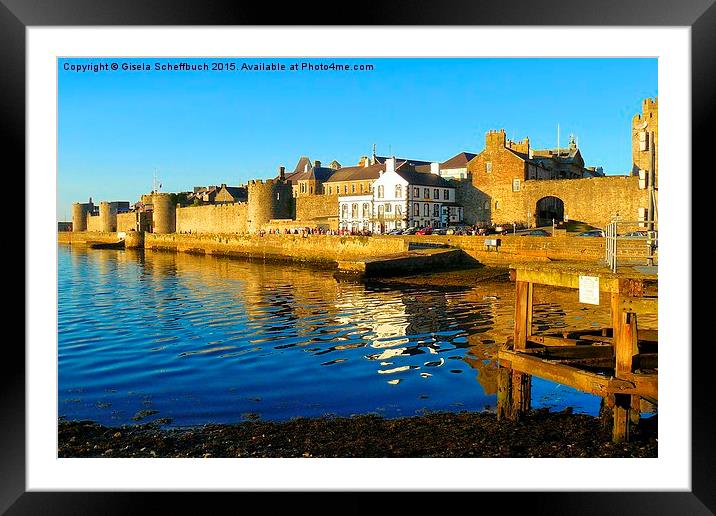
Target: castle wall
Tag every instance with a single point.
(212, 218)
(126, 221)
(316, 207)
(592, 200)
(94, 223)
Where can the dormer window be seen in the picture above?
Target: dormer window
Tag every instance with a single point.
(488, 167)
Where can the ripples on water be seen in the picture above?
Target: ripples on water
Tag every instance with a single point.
(205, 339)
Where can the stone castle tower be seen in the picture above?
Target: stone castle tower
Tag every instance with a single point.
(107, 217)
(645, 138)
(80, 211)
(270, 199)
(164, 213)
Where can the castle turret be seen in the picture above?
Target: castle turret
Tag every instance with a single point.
(267, 200)
(495, 139)
(80, 212)
(107, 217)
(164, 215)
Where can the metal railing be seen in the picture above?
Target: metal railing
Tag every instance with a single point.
(641, 230)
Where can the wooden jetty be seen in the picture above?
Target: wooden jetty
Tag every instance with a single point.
(618, 363)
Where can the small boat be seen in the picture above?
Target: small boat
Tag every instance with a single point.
(107, 245)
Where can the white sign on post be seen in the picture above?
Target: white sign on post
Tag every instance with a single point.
(589, 290)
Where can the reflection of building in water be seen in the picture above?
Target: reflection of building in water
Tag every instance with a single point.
(383, 316)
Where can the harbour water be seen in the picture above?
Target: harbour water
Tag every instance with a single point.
(188, 340)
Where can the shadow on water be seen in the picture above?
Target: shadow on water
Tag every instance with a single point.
(196, 339)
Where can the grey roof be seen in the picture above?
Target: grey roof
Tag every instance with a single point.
(423, 179)
(301, 165)
(317, 173)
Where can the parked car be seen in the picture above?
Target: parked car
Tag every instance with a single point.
(440, 231)
(397, 231)
(410, 231)
(424, 231)
(635, 234)
(536, 232)
(592, 233)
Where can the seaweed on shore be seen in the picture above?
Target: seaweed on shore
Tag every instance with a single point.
(464, 434)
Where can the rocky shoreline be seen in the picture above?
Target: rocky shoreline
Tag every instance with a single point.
(445, 434)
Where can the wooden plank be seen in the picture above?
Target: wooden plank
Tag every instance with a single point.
(645, 384)
(597, 338)
(563, 278)
(549, 340)
(583, 351)
(641, 305)
(567, 375)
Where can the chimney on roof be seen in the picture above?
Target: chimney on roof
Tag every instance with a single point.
(305, 167)
(390, 164)
(282, 173)
(435, 168)
(223, 185)
(317, 164)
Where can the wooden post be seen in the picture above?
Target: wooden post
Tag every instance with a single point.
(523, 314)
(521, 394)
(622, 420)
(616, 311)
(635, 410)
(625, 345)
(504, 394)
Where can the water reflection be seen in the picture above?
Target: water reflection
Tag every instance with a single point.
(202, 339)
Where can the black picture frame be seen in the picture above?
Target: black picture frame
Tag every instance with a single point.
(700, 15)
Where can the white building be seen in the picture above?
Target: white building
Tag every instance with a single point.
(405, 198)
(355, 212)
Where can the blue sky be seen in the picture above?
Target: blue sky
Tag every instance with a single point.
(211, 127)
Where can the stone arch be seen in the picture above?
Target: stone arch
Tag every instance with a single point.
(548, 208)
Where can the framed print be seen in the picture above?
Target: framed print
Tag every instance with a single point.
(414, 249)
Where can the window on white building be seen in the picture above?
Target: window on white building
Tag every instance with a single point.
(426, 193)
(398, 191)
(446, 194)
(436, 210)
(388, 208)
(416, 192)
(436, 194)
(366, 210)
(426, 210)
(416, 211)
(344, 211)
(380, 191)
(354, 210)
(398, 210)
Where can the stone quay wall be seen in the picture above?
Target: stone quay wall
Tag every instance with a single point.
(312, 248)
